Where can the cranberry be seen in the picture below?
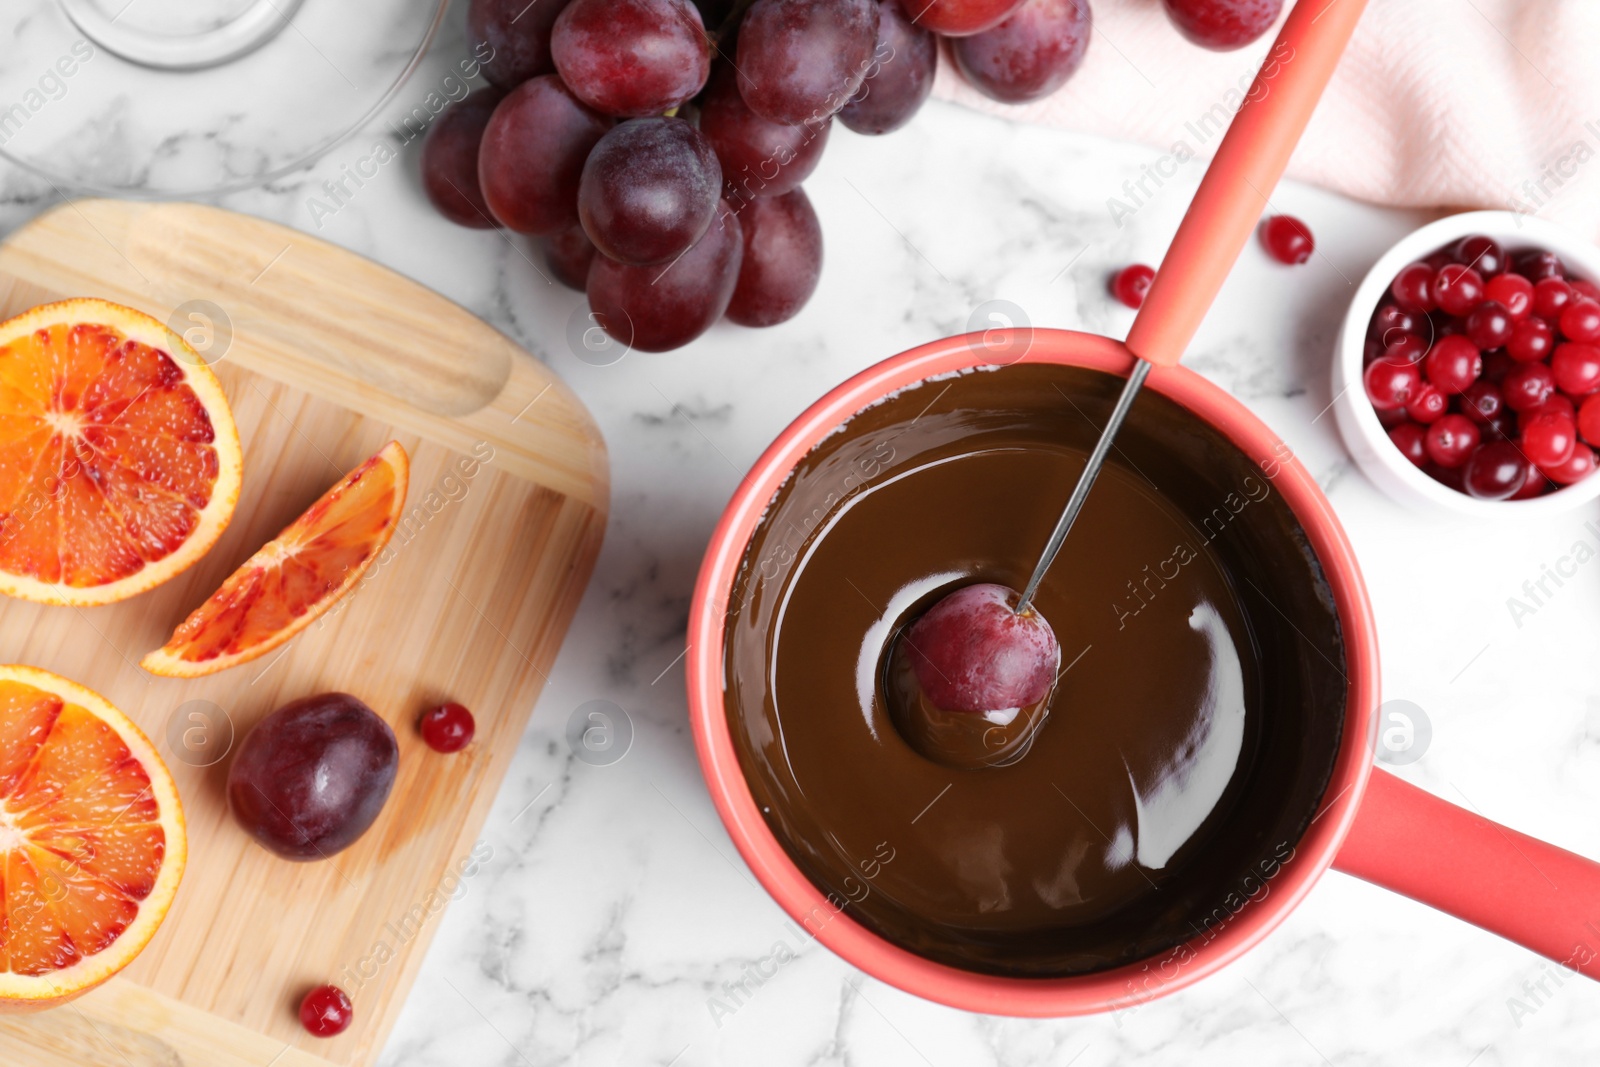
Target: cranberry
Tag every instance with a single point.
(1550, 298)
(1527, 386)
(1445, 325)
(1406, 345)
(1453, 363)
(1580, 466)
(1489, 325)
(1512, 292)
(1371, 349)
(1457, 289)
(1589, 419)
(972, 652)
(1426, 403)
(1584, 288)
(1287, 239)
(1131, 283)
(1390, 381)
(1558, 402)
(1536, 485)
(1536, 263)
(1576, 368)
(1389, 418)
(1495, 471)
(448, 727)
(1548, 439)
(1501, 427)
(1482, 401)
(1413, 287)
(1480, 253)
(1408, 438)
(1581, 320)
(1451, 440)
(1531, 339)
(326, 1011)
(1391, 317)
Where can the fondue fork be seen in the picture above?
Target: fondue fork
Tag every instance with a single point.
(1248, 164)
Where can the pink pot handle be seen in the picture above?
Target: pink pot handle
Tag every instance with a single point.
(1540, 896)
(1245, 170)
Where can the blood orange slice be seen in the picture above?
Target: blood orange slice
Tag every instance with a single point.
(92, 844)
(119, 459)
(295, 577)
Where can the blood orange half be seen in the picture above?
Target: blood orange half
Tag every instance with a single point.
(295, 577)
(92, 844)
(119, 459)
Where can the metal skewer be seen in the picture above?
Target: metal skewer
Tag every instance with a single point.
(1080, 492)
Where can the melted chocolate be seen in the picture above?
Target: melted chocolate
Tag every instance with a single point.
(1188, 738)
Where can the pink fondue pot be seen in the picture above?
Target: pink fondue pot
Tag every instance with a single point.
(1368, 822)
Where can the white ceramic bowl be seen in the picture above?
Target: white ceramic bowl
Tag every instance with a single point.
(1366, 438)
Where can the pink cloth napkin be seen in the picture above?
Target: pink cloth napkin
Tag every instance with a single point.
(1437, 103)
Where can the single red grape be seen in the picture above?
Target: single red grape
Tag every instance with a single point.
(569, 254)
(959, 18)
(1031, 54)
(631, 57)
(649, 190)
(1222, 25)
(532, 156)
(311, 777)
(450, 160)
(759, 158)
(326, 1011)
(802, 60)
(782, 259)
(1408, 437)
(1130, 284)
(972, 652)
(1287, 239)
(511, 38)
(900, 78)
(666, 306)
(1495, 471)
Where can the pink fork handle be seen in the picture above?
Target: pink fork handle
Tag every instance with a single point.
(1241, 177)
(1540, 896)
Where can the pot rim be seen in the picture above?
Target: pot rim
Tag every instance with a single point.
(1129, 985)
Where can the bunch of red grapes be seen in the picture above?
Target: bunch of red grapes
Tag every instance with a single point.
(661, 163)
(1485, 367)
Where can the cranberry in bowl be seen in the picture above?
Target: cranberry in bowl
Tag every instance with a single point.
(1464, 364)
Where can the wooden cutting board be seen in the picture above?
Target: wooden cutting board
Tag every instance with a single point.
(330, 356)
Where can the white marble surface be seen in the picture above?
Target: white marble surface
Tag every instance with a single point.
(615, 906)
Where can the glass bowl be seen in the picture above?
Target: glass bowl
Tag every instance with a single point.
(162, 99)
